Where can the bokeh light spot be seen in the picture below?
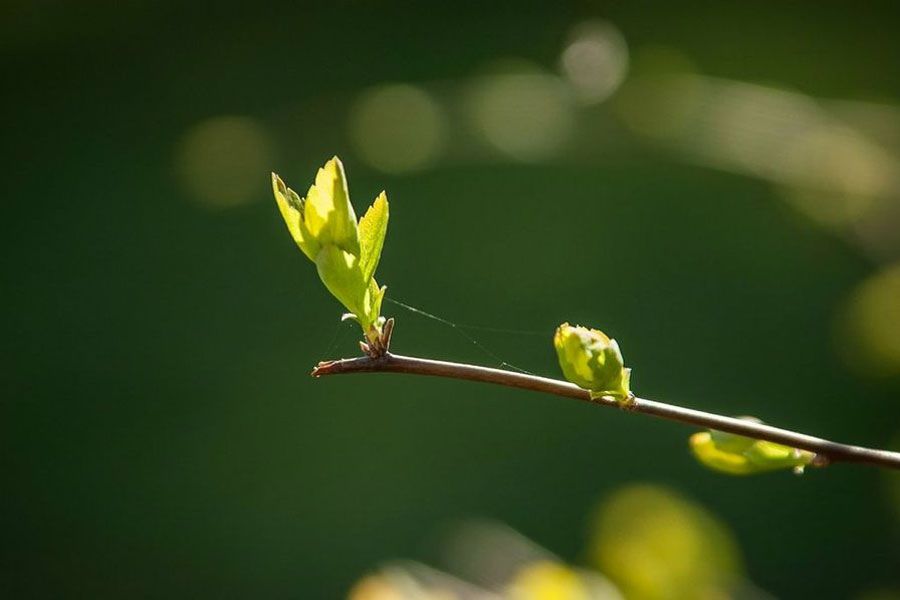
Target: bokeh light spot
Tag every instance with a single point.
(830, 210)
(868, 335)
(528, 115)
(225, 161)
(840, 159)
(595, 61)
(397, 128)
(660, 96)
(375, 587)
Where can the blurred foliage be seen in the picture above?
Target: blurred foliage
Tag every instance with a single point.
(739, 455)
(646, 542)
(655, 544)
(548, 581)
(869, 330)
(730, 166)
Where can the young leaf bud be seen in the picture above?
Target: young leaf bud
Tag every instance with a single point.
(592, 361)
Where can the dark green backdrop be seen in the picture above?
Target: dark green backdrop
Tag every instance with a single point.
(160, 435)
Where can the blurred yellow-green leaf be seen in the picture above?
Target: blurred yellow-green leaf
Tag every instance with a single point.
(655, 544)
(547, 580)
(740, 455)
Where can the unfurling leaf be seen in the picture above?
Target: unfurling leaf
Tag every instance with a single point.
(592, 361)
(740, 455)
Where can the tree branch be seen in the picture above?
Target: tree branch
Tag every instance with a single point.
(826, 451)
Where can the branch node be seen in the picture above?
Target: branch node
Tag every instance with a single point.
(628, 404)
(322, 368)
(379, 346)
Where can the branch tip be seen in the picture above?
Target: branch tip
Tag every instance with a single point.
(323, 368)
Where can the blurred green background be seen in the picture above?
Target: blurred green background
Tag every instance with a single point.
(714, 184)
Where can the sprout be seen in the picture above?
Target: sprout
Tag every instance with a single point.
(346, 253)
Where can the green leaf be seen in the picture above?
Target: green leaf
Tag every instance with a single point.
(740, 455)
(372, 230)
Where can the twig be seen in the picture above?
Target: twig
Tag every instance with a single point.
(826, 451)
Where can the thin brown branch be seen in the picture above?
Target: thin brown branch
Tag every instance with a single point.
(825, 450)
